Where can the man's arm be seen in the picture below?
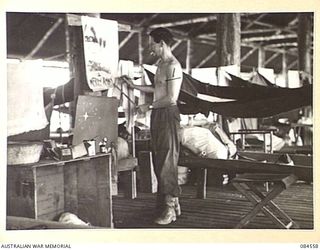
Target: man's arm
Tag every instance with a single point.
(143, 88)
(173, 81)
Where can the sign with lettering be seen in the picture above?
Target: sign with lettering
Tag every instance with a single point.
(101, 51)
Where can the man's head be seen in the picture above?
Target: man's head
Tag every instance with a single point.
(160, 37)
(162, 34)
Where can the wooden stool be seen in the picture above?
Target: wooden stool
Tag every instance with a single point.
(247, 185)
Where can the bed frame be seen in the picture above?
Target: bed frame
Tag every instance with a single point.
(251, 171)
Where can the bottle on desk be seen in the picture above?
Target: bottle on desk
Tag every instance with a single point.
(103, 145)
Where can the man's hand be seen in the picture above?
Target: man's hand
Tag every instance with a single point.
(128, 80)
(142, 109)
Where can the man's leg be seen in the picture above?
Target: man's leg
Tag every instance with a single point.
(166, 146)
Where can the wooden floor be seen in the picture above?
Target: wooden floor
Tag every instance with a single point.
(223, 209)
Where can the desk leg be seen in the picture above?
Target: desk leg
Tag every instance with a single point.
(71, 189)
(104, 199)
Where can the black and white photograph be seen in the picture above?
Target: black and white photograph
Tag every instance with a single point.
(162, 120)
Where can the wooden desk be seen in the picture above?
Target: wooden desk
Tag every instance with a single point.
(46, 189)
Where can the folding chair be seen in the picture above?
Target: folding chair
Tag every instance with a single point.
(248, 184)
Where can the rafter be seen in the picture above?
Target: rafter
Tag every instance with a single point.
(44, 38)
(268, 25)
(254, 21)
(271, 58)
(126, 39)
(294, 63)
(144, 22)
(195, 30)
(248, 54)
(184, 22)
(294, 22)
(277, 50)
(277, 45)
(268, 38)
(205, 60)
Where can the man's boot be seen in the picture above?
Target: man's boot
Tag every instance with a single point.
(177, 207)
(168, 215)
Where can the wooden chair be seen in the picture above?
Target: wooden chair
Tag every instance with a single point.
(127, 166)
(248, 184)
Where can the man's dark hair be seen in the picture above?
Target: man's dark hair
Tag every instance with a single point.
(164, 34)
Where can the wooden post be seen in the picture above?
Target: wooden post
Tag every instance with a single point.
(285, 69)
(71, 68)
(261, 57)
(143, 45)
(228, 39)
(228, 44)
(189, 56)
(304, 45)
(305, 64)
(143, 54)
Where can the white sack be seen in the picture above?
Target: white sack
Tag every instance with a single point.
(200, 140)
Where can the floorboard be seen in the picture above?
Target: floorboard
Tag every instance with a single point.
(222, 209)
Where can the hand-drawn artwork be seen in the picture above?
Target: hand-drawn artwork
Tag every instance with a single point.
(100, 42)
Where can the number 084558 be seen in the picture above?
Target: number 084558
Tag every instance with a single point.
(309, 246)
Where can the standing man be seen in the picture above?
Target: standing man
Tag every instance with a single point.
(165, 123)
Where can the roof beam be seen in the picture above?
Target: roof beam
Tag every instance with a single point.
(184, 22)
(176, 45)
(131, 33)
(268, 38)
(248, 54)
(277, 50)
(276, 45)
(253, 22)
(212, 54)
(75, 20)
(294, 22)
(295, 62)
(271, 58)
(126, 39)
(268, 25)
(44, 38)
(195, 30)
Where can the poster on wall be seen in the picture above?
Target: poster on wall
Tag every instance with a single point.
(101, 52)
